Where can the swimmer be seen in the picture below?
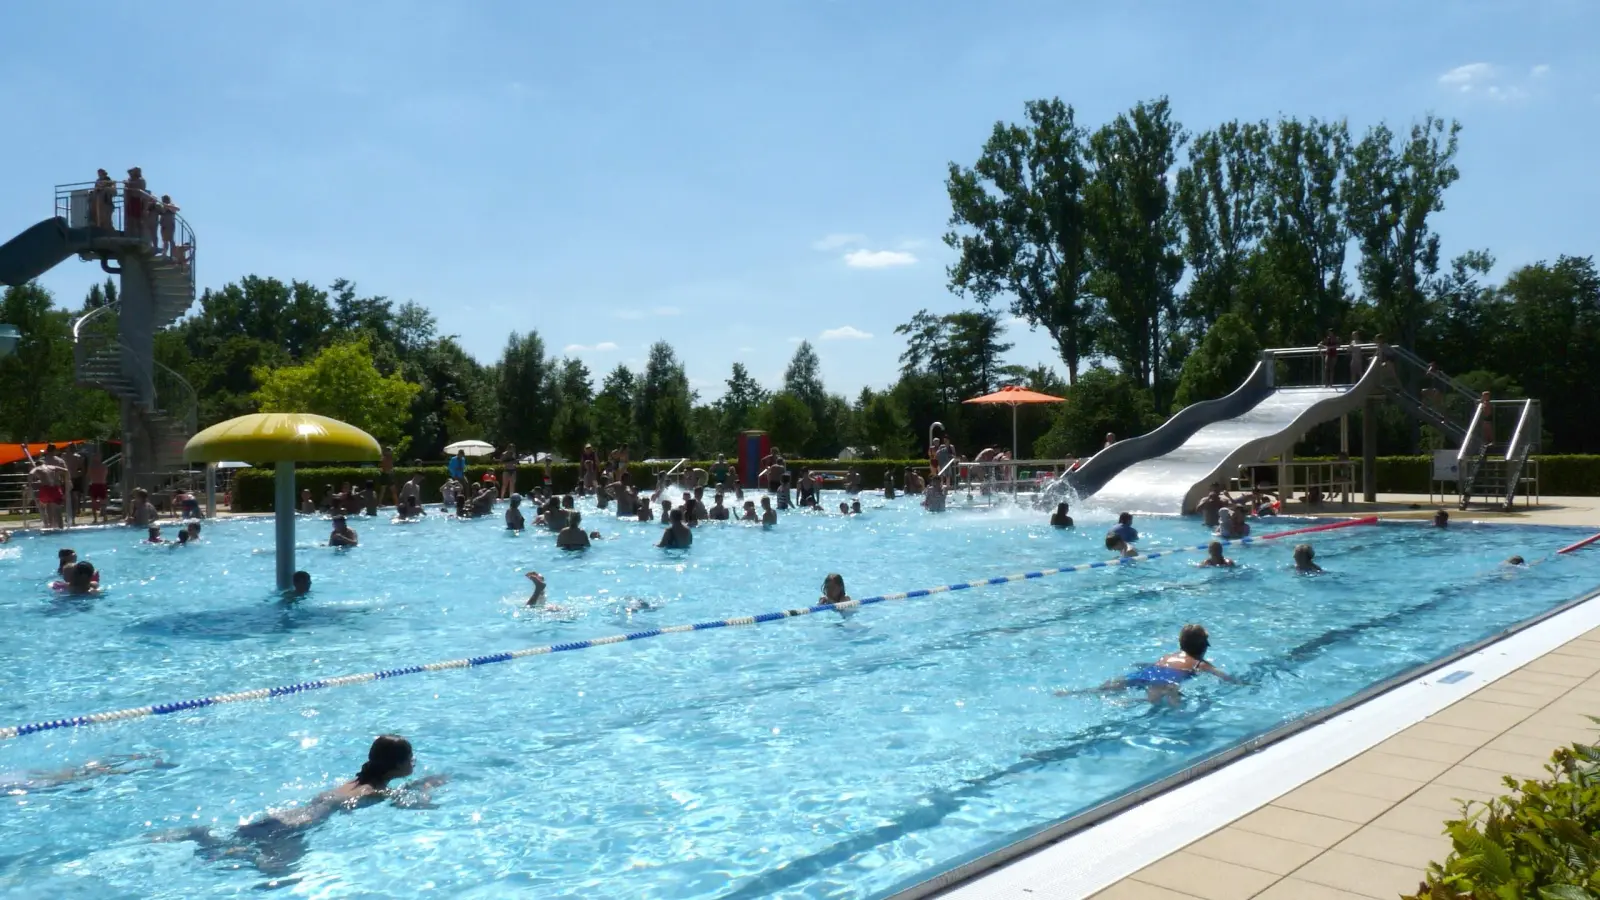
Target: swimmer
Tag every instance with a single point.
(5, 535)
(193, 529)
(844, 508)
(833, 593)
(308, 506)
(343, 535)
(1160, 679)
(769, 516)
(888, 485)
(1232, 525)
(749, 512)
(1516, 561)
(678, 536)
(153, 536)
(369, 498)
(717, 512)
(1060, 519)
(645, 512)
(855, 507)
(514, 519)
(1210, 505)
(1113, 542)
(1441, 519)
(83, 579)
(301, 584)
(1124, 528)
(182, 541)
(538, 589)
(66, 558)
(1214, 557)
(276, 841)
(1303, 556)
(573, 537)
(36, 780)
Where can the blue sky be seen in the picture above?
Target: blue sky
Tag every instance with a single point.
(728, 176)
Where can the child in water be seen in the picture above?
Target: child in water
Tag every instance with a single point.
(1303, 556)
(1215, 558)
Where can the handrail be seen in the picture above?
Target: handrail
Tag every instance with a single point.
(79, 322)
(183, 235)
(1516, 436)
(1470, 443)
(675, 466)
(1420, 363)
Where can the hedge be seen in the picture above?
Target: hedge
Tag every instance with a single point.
(1562, 476)
(253, 488)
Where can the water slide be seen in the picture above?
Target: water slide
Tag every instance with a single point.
(1170, 469)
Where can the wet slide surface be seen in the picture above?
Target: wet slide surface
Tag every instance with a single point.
(1158, 485)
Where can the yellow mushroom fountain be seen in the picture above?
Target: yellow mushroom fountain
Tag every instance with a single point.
(284, 439)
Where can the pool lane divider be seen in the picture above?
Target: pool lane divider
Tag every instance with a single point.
(1583, 543)
(164, 709)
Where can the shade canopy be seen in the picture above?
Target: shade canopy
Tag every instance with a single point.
(282, 437)
(1014, 396)
(470, 448)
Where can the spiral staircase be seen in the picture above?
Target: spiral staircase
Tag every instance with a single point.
(113, 345)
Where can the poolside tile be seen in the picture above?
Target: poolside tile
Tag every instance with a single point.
(1483, 716)
(1422, 748)
(1512, 697)
(1451, 734)
(1206, 878)
(1521, 765)
(1368, 784)
(1396, 766)
(1526, 744)
(1258, 851)
(1368, 877)
(1561, 727)
(1295, 889)
(1447, 799)
(1473, 779)
(1295, 825)
(1565, 665)
(1333, 802)
(1554, 679)
(1413, 818)
(1130, 889)
(1579, 647)
(1396, 847)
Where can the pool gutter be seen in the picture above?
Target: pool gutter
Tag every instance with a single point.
(967, 872)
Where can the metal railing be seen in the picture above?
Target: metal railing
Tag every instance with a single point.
(103, 206)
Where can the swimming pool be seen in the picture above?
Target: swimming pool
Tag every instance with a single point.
(810, 757)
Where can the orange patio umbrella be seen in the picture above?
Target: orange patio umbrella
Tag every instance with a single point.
(1014, 397)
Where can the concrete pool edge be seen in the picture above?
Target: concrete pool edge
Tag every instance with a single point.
(1099, 847)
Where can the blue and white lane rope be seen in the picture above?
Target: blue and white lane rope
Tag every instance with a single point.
(162, 709)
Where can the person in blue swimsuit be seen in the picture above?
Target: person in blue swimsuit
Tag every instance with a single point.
(1160, 680)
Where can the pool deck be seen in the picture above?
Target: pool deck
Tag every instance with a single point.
(1347, 825)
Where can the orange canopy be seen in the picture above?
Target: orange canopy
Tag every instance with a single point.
(10, 453)
(1013, 395)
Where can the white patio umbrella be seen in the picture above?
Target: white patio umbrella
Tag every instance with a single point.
(470, 448)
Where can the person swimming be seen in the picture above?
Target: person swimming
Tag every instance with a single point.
(538, 589)
(276, 841)
(1160, 680)
(22, 782)
(1214, 557)
(833, 594)
(1060, 519)
(1232, 524)
(342, 535)
(1516, 561)
(1124, 528)
(677, 536)
(514, 517)
(1441, 519)
(1115, 542)
(1303, 559)
(301, 585)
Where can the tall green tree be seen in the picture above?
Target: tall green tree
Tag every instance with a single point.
(741, 401)
(1018, 221)
(662, 404)
(1553, 310)
(38, 400)
(342, 383)
(613, 411)
(1301, 262)
(526, 392)
(1134, 237)
(1218, 200)
(573, 425)
(1102, 401)
(1219, 365)
(1392, 189)
(788, 423)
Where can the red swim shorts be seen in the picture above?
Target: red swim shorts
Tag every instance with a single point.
(97, 492)
(51, 494)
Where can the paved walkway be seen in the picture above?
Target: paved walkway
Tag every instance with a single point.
(1368, 829)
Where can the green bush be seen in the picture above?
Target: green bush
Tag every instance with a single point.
(253, 488)
(1540, 842)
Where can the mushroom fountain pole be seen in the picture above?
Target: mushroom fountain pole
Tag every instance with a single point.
(285, 439)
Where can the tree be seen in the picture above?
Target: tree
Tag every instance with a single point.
(1133, 237)
(573, 426)
(37, 395)
(662, 404)
(1102, 401)
(526, 392)
(787, 421)
(1553, 310)
(340, 382)
(1301, 261)
(881, 426)
(975, 349)
(1218, 203)
(1389, 194)
(739, 404)
(613, 410)
(1024, 205)
(1219, 365)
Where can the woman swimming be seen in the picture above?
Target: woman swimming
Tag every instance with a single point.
(1159, 680)
(276, 841)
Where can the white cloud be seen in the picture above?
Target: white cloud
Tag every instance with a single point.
(847, 333)
(1465, 78)
(837, 241)
(602, 347)
(1539, 71)
(878, 259)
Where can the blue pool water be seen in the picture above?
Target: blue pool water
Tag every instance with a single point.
(811, 757)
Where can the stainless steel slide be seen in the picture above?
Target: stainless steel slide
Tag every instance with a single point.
(1173, 480)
